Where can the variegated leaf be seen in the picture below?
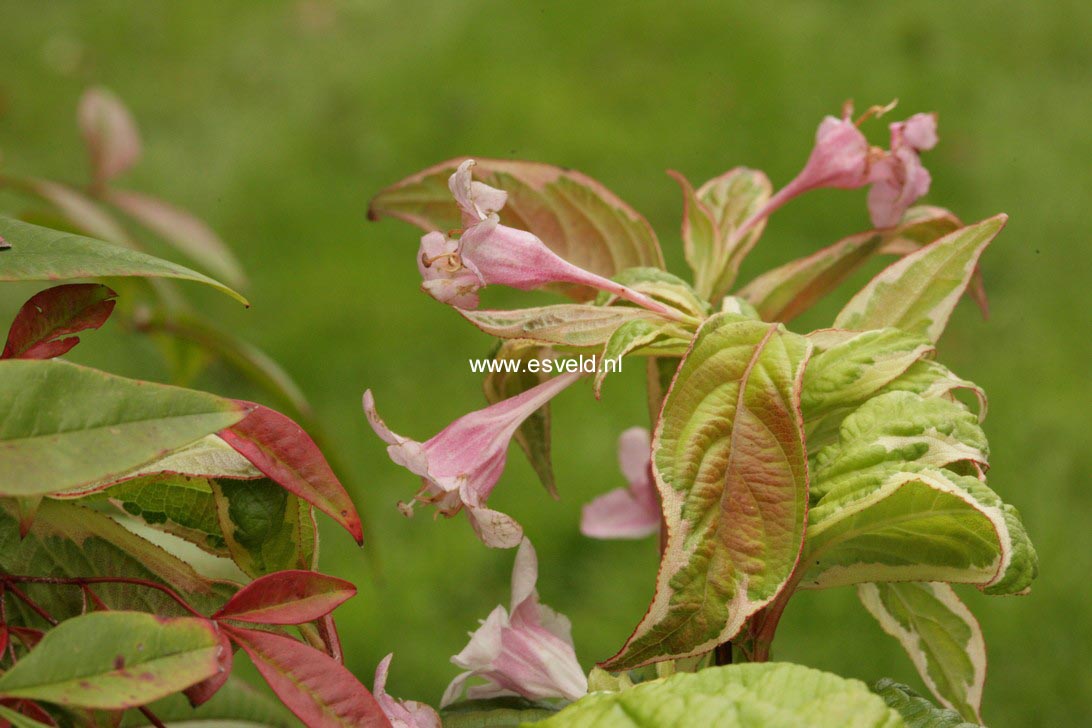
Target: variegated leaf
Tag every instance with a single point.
(568, 324)
(784, 293)
(729, 461)
(918, 293)
(940, 635)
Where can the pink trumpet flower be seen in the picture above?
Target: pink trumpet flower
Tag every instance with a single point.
(488, 253)
(842, 158)
(632, 512)
(401, 713)
(528, 651)
(463, 462)
(900, 178)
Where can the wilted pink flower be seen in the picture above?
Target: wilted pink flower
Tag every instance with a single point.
(899, 179)
(401, 713)
(460, 466)
(488, 253)
(528, 651)
(632, 512)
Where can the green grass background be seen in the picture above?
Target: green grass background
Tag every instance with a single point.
(277, 121)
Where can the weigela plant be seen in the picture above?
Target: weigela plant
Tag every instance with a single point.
(778, 460)
(156, 531)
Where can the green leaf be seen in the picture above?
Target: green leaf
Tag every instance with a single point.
(755, 695)
(245, 358)
(177, 504)
(42, 254)
(567, 324)
(505, 712)
(68, 540)
(235, 705)
(941, 636)
(115, 660)
(784, 293)
(919, 292)
(914, 709)
(267, 528)
(181, 229)
(533, 435)
(729, 461)
(574, 215)
(63, 425)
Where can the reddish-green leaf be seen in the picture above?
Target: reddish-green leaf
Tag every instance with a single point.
(287, 597)
(42, 329)
(731, 469)
(287, 455)
(576, 216)
(320, 691)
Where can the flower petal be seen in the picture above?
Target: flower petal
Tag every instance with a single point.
(620, 513)
(635, 455)
(495, 529)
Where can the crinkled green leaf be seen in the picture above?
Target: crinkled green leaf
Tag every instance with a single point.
(918, 292)
(69, 540)
(857, 367)
(914, 709)
(900, 427)
(42, 254)
(784, 293)
(576, 216)
(567, 324)
(755, 695)
(115, 660)
(63, 425)
(626, 339)
(729, 461)
(940, 635)
(907, 522)
(267, 528)
(533, 435)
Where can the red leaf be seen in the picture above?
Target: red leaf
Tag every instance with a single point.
(225, 658)
(321, 692)
(287, 597)
(39, 328)
(286, 454)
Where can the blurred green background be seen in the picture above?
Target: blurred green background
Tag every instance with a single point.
(276, 121)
